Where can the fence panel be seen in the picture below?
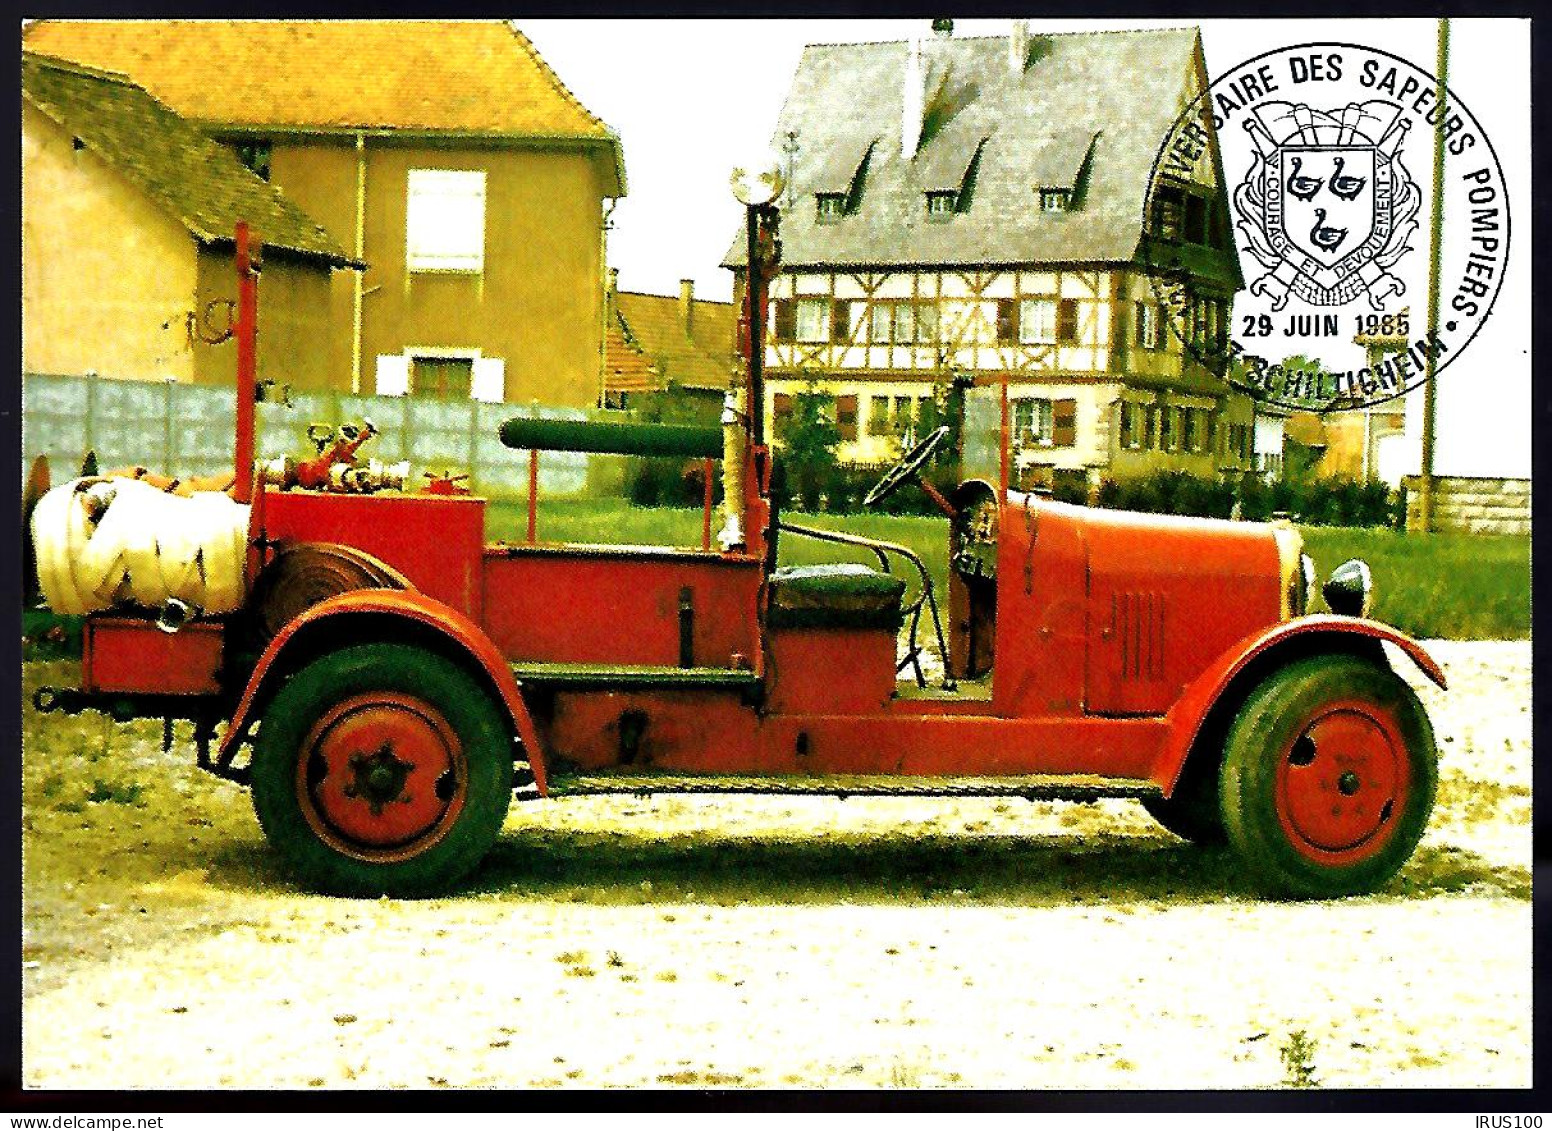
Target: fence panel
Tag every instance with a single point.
(187, 430)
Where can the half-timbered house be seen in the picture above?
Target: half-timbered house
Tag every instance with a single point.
(981, 209)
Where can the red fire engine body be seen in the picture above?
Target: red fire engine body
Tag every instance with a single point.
(394, 675)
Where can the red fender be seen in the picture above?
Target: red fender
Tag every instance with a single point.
(408, 605)
(1190, 711)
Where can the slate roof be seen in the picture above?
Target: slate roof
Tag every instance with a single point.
(703, 359)
(1108, 97)
(196, 180)
(468, 77)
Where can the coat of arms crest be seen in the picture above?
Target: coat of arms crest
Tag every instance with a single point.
(1327, 207)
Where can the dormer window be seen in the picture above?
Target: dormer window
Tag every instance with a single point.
(941, 205)
(830, 206)
(1059, 169)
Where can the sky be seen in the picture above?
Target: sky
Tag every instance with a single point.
(692, 98)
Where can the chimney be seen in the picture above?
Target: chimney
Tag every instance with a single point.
(687, 304)
(914, 100)
(614, 280)
(1018, 47)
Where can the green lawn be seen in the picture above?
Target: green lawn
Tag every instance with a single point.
(1457, 586)
(615, 521)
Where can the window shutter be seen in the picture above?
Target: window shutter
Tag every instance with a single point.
(786, 320)
(1064, 423)
(1007, 321)
(840, 320)
(490, 380)
(846, 416)
(445, 220)
(1067, 321)
(393, 375)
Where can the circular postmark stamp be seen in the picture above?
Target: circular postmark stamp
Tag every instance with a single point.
(1287, 226)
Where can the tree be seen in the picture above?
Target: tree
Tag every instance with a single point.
(809, 438)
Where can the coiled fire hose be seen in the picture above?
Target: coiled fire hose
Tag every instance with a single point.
(107, 542)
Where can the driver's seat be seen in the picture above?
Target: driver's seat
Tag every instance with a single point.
(836, 595)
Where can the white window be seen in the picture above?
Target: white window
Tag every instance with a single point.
(1147, 326)
(941, 204)
(1055, 200)
(883, 323)
(1033, 422)
(904, 323)
(831, 207)
(813, 318)
(926, 322)
(1037, 321)
(445, 220)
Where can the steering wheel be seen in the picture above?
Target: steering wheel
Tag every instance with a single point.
(907, 469)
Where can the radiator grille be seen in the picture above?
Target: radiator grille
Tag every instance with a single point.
(1138, 621)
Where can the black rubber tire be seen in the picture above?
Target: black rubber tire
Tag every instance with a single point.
(308, 694)
(1194, 812)
(1269, 723)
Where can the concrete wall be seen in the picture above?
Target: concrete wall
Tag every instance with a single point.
(538, 303)
(1473, 506)
(187, 430)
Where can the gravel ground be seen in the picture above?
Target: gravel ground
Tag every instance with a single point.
(771, 942)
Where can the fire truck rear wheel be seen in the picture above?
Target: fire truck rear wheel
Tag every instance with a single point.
(382, 769)
(1329, 776)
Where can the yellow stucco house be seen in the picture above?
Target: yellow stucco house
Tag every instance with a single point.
(128, 219)
(446, 155)
(982, 207)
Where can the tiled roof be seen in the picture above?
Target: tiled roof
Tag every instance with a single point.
(626, 368)
(703, 359)
(196, 180)
(479, 77)
(1119, 89)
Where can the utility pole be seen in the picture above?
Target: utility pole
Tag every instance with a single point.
(1425, 501)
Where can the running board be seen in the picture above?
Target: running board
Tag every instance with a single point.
(578, 677)
(1035, 787)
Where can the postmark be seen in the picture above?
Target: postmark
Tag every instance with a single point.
(1288, 221)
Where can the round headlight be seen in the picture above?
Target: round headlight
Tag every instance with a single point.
(1349, 591)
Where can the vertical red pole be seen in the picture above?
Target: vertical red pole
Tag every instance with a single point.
(709, 491)
(757, 463)
(246, 332)
(533, 494)
(1003, 443)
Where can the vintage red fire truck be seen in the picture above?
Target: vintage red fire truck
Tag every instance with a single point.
(384, 675)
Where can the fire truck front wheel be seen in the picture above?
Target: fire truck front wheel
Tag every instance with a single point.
(382, 769)
(1194, 812)
(1329, 776)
